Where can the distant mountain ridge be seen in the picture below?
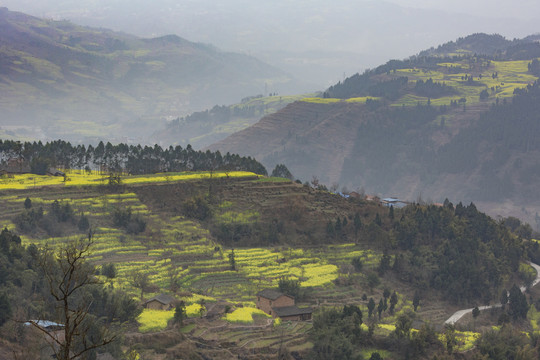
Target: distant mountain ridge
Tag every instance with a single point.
(484, 44)
(55, 76)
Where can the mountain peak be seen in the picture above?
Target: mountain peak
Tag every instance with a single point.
(171, 38)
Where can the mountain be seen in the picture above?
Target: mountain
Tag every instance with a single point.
(316, 40)
(58, 79)
(483, 44)
(453, 124)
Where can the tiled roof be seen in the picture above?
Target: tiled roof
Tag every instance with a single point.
(291, 311)
(162, 298)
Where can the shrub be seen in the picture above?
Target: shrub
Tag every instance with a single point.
(290, 287)
(27, 203)
(62, 212)
(124, 218)
(109, 270)
(28, 220)
(136, 225)
(197, 208)
(357, 263)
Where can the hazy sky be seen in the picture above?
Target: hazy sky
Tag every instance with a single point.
(315, 40)
(520, 9)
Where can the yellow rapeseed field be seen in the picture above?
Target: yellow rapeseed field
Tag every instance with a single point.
(154, 320)
(244, 315)
(81, 178)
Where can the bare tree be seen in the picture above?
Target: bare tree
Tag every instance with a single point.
(67, 275)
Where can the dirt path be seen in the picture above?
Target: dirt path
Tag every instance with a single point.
(460, 313)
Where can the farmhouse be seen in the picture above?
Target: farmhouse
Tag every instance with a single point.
(373, 198)
(15, 166)
(280, 305)
(355, 195)
(269, 298)
(160, 302)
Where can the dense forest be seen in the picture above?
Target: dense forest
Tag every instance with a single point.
(456, 250)
(507, 133)
(364, 85)
(202, 128)
(219, 114)
(459, 251)
(121, 158)
(405, 130)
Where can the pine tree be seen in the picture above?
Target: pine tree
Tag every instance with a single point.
(393, 302)
(180, 313)
(27, 203)
(371, 307)
(232, 260)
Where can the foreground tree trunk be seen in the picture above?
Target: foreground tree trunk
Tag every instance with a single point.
(67, 274)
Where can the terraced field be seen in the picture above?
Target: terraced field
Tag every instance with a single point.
(178, 253)
(510, 75)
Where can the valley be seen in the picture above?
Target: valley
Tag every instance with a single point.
(400, 220)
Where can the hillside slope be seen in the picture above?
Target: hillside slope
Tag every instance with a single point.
(427, 133)
(58, 79)
(313, 139)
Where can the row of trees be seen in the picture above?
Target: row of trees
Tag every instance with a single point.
(132, 159)
(432, 89)
(365, 85)
(219, 114)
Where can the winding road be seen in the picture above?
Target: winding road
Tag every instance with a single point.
(460, 313)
